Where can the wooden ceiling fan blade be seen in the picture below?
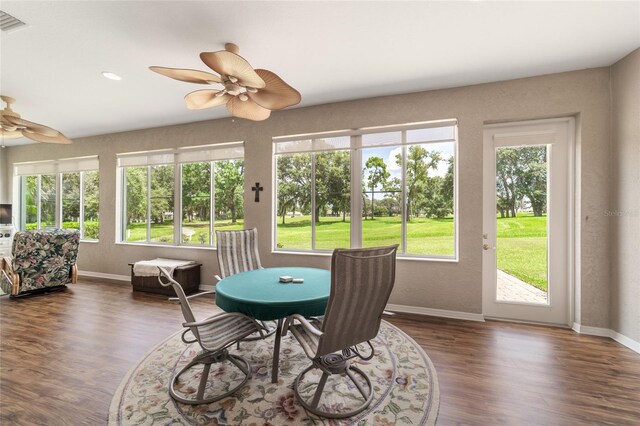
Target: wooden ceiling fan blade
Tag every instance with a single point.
(202, 99)
(31, 126)
(229, 64)
(188, 75)
(247, 109)
(58, 139)
(276, 94)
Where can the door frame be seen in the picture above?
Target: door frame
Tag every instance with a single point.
(488, 277)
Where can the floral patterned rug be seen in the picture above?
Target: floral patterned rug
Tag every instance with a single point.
(403, 377)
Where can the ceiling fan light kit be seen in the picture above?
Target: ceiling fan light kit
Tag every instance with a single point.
(247, 93)
(12, 126)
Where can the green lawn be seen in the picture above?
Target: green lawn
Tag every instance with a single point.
(521, 242)
(195, 233)
(522, 248)
(424, 236)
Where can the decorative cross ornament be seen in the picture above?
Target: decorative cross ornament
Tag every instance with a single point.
(257, 188)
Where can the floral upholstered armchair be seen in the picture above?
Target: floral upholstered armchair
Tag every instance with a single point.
(42, 261)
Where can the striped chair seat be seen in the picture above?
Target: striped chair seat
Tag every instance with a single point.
(225, 332)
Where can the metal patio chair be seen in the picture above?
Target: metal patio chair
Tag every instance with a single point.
(238, 252)
(214, 335)
(361, 283)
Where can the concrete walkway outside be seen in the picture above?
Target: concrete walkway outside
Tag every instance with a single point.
(512, 289)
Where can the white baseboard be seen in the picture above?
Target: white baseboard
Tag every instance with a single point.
(114, 277)
(605, 332)
(435, 312)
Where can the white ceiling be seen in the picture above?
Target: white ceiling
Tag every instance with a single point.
(329, 51)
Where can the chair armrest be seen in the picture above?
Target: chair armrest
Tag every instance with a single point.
(175, 299)
(305, 323)
(217, 318)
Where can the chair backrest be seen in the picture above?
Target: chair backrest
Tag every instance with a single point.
(237, 251)
(361, 283)
(165, 280)
(45, 257)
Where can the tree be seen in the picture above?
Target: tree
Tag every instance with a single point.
(521, 172)
(70, 197)
(136, 183)
(293, 183)
(229, 185)
(507, 190)
(419, 162)
(162, 190)
(196, 191)
(377, 175)
(533, 177)
(333, 180)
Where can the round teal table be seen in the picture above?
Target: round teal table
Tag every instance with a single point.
(261, 295)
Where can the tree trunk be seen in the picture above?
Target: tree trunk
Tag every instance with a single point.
(372, 210)
(233, 213)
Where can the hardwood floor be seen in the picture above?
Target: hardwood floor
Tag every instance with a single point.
(63, 355)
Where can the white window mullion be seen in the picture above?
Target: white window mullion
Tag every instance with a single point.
(57, 216)
(404, 192)
(81, 210)
(313, 201)
(38, 201)
(177, 204)
(356, 192)
(148, 204)
(212, 201)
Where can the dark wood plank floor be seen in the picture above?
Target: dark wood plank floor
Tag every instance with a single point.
(62, 356)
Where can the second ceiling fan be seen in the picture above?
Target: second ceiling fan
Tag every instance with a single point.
(247, 93)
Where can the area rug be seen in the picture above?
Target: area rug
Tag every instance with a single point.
(403, 377)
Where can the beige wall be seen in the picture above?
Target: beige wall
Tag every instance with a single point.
(624, 219)
(439, 285)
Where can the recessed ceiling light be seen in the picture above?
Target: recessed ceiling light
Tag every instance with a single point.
(111, 75)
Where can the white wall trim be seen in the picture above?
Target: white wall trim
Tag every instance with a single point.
(435, 312)
(605, 332)
(626, 341)
(114, 277)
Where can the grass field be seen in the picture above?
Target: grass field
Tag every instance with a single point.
(424, 236)
(521, 242)
(196, 233)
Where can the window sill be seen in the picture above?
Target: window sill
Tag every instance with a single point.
(90, 241)
(170, 246)
(399, 257)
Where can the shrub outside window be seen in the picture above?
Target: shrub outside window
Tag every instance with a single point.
(400, 180)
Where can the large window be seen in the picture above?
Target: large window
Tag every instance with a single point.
(180, 197)
(62, 193)
(400, 180)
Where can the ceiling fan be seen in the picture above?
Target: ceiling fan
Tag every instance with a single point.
(248, 93)
(12, 126)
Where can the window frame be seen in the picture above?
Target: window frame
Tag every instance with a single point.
(180, 157)
(355, 149)
(58, 200)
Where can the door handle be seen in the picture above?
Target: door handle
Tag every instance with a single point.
(487, 247)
